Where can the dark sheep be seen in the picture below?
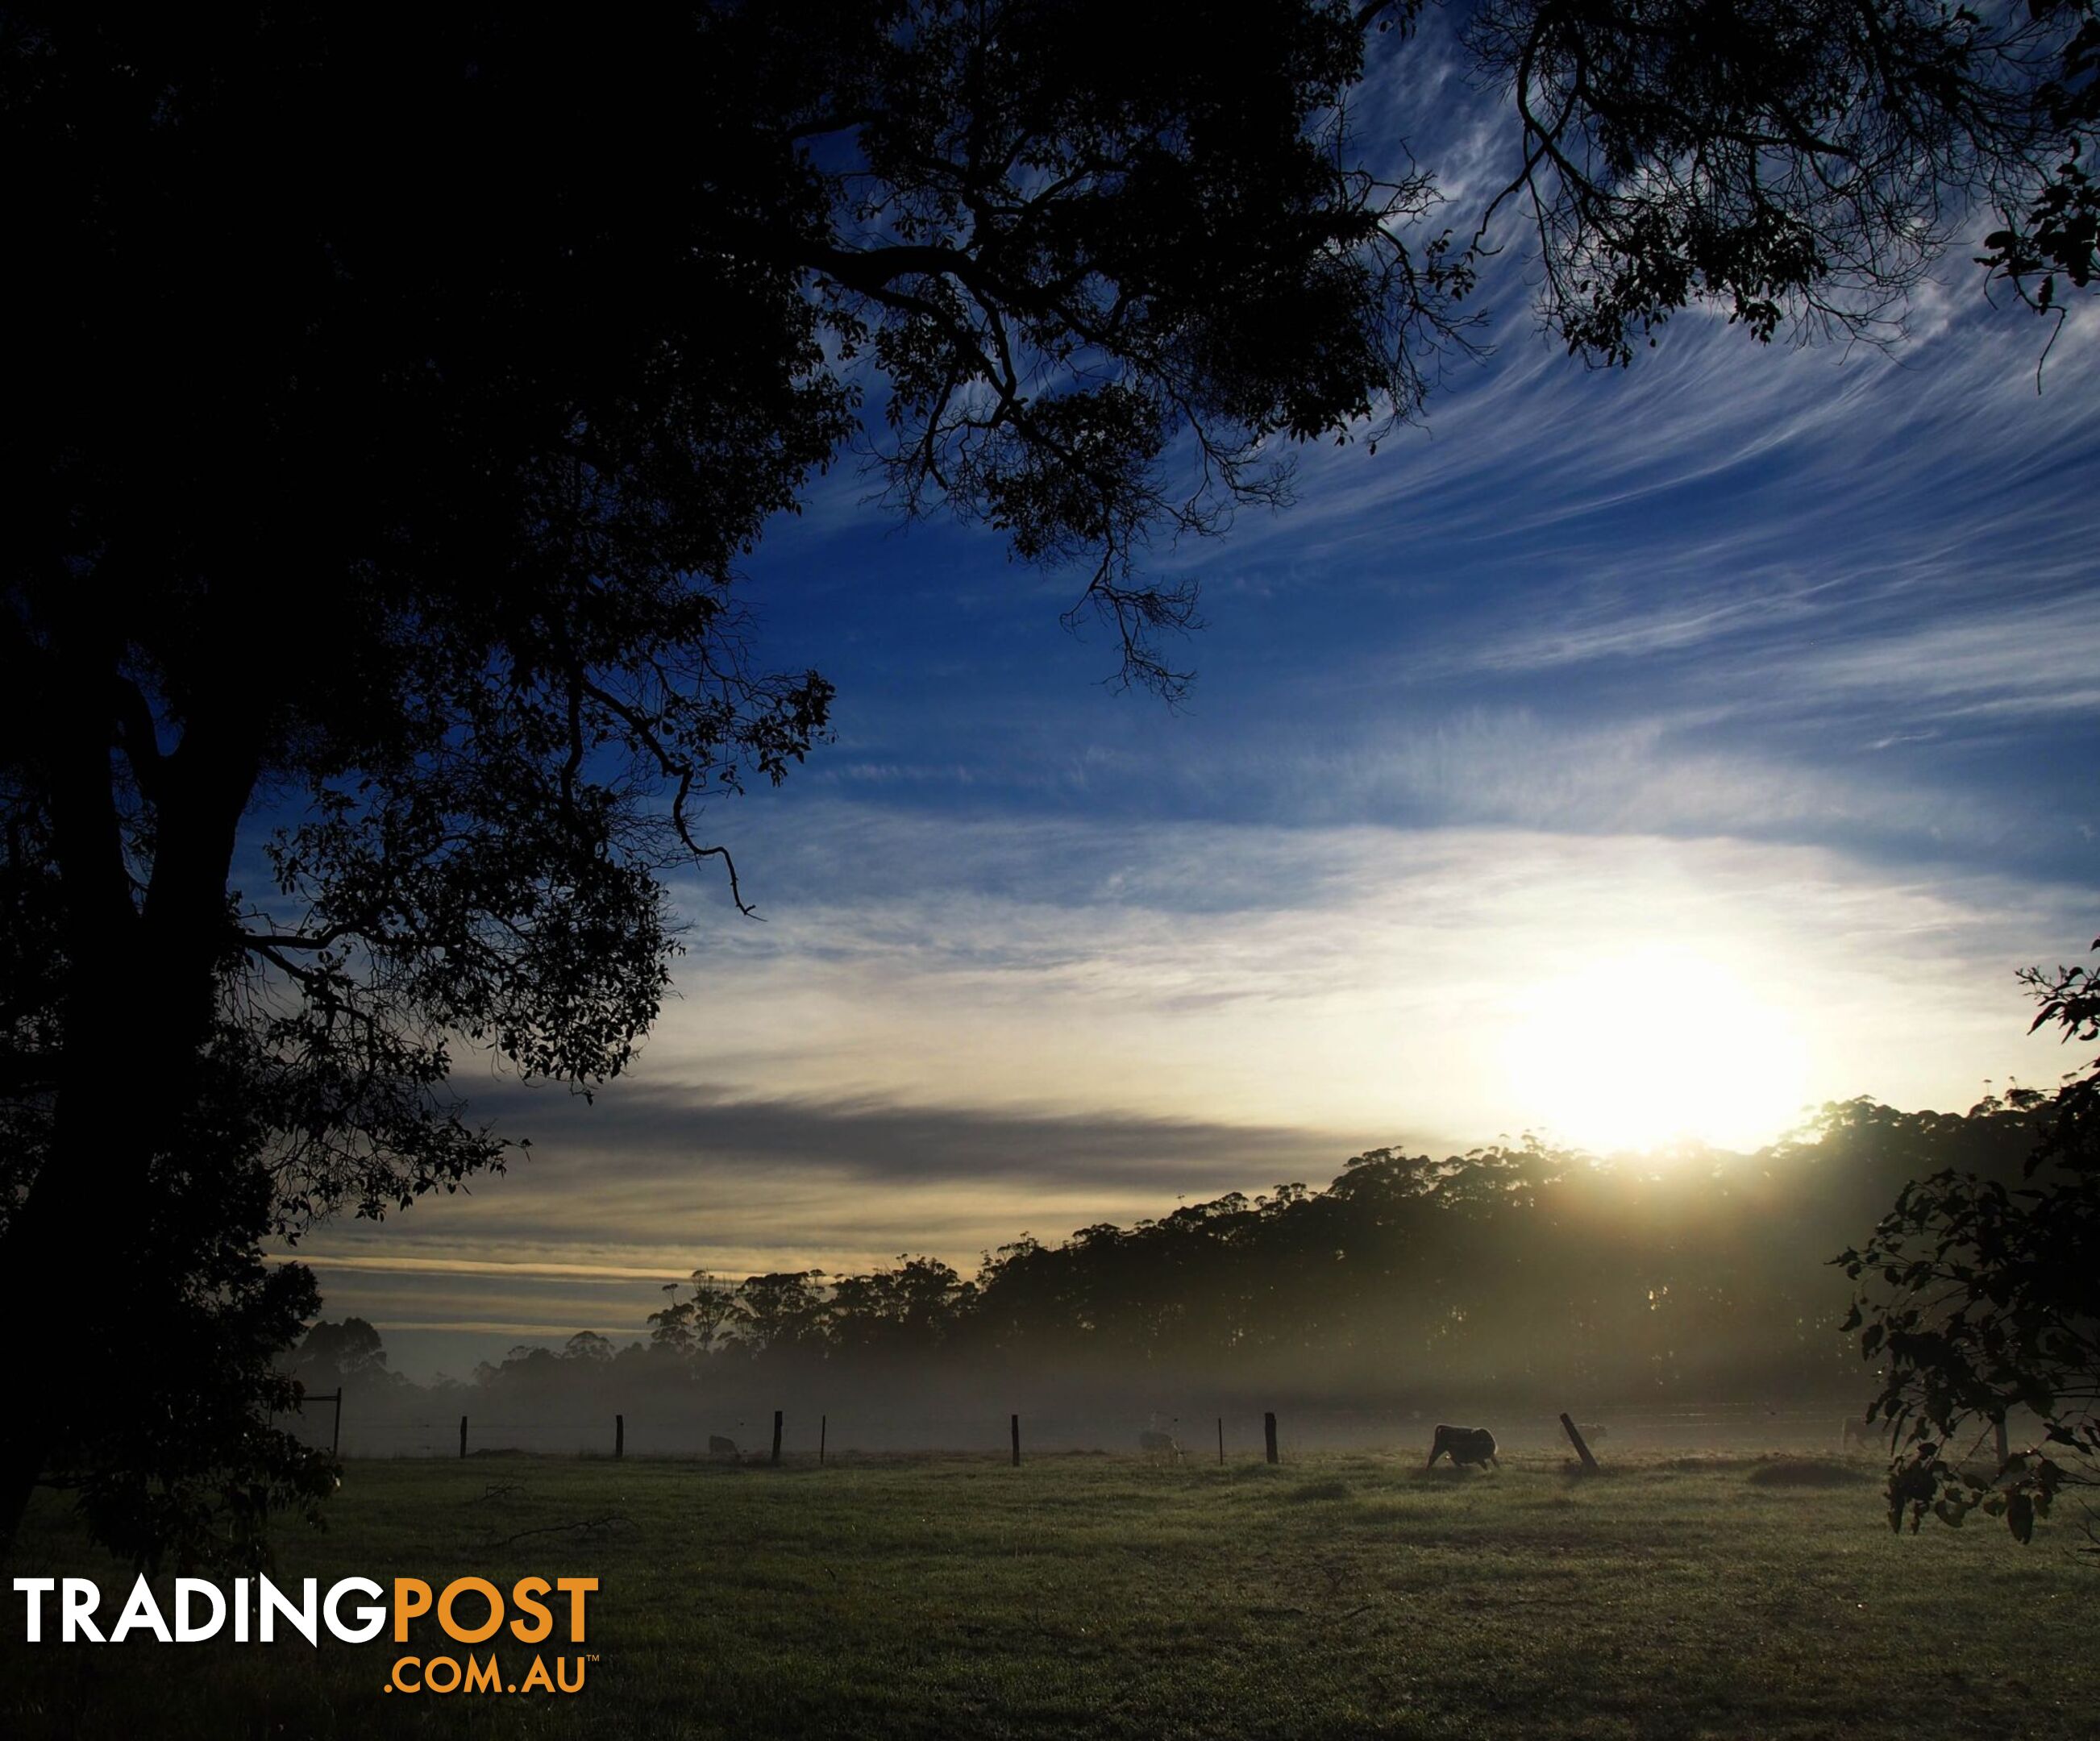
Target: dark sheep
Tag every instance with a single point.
(1463, 1445)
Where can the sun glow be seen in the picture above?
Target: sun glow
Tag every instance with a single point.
(1655, 1045)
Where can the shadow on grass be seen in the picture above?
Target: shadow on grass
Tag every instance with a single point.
(1576, 1472)
(1320, 1490)
(1810, 1472)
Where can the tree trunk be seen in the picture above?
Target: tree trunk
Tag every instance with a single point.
(71, 1267)
(80, 1261)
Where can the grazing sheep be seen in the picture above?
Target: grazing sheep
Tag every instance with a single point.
(1463, 1445)
(1159, 1445)
(718, 1446)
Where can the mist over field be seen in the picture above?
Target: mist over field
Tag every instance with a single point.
(1676, 1298)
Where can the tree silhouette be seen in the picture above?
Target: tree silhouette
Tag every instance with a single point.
(694, 1325)
(351, 1349)
(410, 386)
(2054, 232)
(589, 1347)
(1519, 1271)
(1782, 159)
(1982, 1297)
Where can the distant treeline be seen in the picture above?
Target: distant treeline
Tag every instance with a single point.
(1513, 1270)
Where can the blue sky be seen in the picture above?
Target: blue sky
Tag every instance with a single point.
(1627, 754)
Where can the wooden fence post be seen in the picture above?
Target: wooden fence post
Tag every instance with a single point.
(1016, 1423)
(619, 1435)
(776, 1438)
(823, 1432)
(462, 1436)
(1268, 1433)
(1221, 1439)
(2005, 1447)
(1582, 1450)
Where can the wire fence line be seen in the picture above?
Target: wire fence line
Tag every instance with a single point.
(817, 1435)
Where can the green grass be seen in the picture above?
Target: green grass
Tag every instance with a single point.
(1340, 1596)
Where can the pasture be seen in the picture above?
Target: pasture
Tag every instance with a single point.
(1086, 1596)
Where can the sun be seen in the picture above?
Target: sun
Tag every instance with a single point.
(1653, 1046)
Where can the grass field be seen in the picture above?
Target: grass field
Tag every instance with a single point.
(1086, 1596)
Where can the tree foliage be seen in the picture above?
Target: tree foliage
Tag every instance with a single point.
(350, 1349)
(2055, 230)
(1981, 1298)
(1778, 159)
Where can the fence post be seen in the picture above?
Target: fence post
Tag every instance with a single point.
(823, 1432)
(1268, 1433)
(335, 1438)
(619, 1435)
(776, 1438)
(1017, 1441)
(2004, 1449)
(462, 1436)
(1221, 1439)
(1582, 1449)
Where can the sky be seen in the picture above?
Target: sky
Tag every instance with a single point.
(1623, 756)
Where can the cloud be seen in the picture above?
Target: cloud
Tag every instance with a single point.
(540, 1271)
(2029, 657)
(953, 1031)
(1348, 978)
(663, 1131)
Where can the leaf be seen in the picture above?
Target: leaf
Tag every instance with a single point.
(2020, 1516)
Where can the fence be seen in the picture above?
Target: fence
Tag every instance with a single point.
(818, 1436)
